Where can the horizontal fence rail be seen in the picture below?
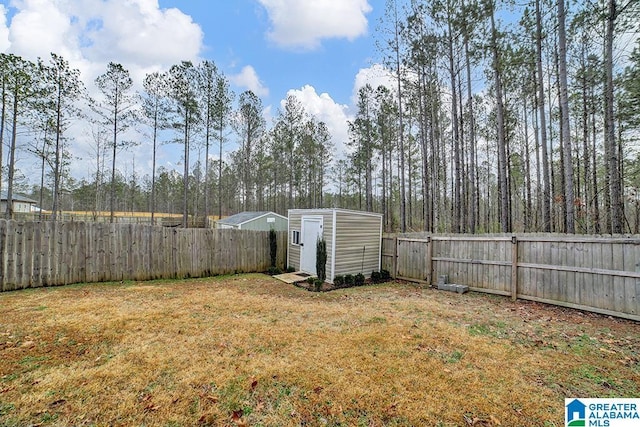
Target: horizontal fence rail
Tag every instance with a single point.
(597, 274)
(34, 254)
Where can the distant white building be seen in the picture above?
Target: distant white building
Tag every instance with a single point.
(21, 204)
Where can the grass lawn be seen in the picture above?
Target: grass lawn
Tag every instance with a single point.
(249, 350)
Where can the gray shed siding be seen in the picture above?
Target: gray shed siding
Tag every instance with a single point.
(293, 252)
(261, 224)
(353, 231)
(358, 243)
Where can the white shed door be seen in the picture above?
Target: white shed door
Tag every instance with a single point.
(311, 230)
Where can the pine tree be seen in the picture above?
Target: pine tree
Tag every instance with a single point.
(155, 108)
(250, 126)
(183, 89)
(116, 112)
(63, 88)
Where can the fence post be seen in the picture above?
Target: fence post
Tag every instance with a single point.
(514, 267)
(395, 257)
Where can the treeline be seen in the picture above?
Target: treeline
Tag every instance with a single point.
(189, 104)
(496, 118)
(504, 118)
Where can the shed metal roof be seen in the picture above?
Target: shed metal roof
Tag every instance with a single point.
(243, 217)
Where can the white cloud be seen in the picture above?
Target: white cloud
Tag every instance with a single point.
(40, 27)
(4, 30)
(139, 31)
(376, 75)
(304, 24)
(136, 33)
(139, 34)
(324, 109)
(248, 78)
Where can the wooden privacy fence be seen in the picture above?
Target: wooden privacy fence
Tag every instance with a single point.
(34, 254)
(597, 274)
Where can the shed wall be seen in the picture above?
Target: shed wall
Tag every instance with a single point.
(357, 243)
(261, 224)
(293, 254)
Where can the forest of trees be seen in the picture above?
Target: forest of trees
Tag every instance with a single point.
(497, 118)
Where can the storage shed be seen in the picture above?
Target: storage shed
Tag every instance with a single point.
(258, 221)
(354, 241)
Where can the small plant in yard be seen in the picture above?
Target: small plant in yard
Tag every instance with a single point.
(376, 277)
(310, 280)
(317, 284)
(321, 258)
(348, 279)
(338, 281)
(385, 275)
(273, 271)
(290, 269)
(358, 279)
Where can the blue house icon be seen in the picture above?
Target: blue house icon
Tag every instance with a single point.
(575, 410)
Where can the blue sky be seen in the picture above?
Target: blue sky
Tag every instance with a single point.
(320, 51)
(236, 34)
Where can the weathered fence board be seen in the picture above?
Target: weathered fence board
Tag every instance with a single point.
(34, 254)
(590, 273)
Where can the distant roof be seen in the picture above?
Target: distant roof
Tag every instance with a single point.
(242, 217)
(16, 198)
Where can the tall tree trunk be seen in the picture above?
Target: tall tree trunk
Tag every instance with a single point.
(539, 192)
(569, 198)
(554, 192)
(424, 152)
(505, 222)
(473, 188)
(457, 203)
(207, 173)
(439, 162)
(221, 140)
(594, 172)
(562, 206)
(3, 115)
(620, 146)
(153, 166)
(464, 177)
(546, 199)
(42, 165)
(401, 172)
(410, 183)
(185, 178)
(369, 156)
(58, 160)
(528, 211)
(586, 202)
(609, 125)
(12, 153)
(112, 197)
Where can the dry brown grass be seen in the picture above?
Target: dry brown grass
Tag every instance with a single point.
(248, 350)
